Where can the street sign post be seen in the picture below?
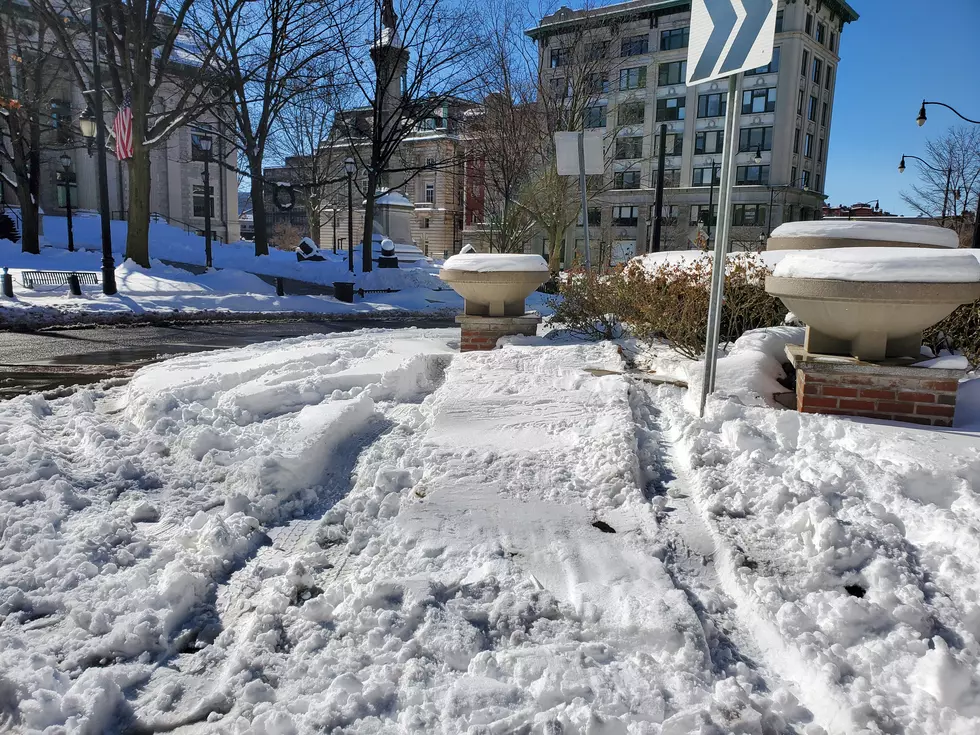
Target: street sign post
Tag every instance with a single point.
(580, 153)
(727, 38)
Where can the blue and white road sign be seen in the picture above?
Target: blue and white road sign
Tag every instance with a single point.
(729, 36)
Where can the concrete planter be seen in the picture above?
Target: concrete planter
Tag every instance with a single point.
(870, 320)
(826, 234)
(493, 293)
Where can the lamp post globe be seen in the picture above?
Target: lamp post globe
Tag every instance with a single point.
(901, 165)
(758, 155)
(921, 119)
(65, 161)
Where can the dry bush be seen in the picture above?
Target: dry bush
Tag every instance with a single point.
(669, 303)
(286, 236)
(959, 331)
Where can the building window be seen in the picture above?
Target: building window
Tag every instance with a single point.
(671, 108)
(796, 141)
(805, 66)
(819, 184)
(826, 113)
(200, 201)
(806, 179)
(625, 216)
(749, 215)
(631, 113)
(779, 21)
(829, 79)
(809, 24)
(699, 215)
(833, 42)
(61, 120)
(820, 147)
(821, 33)
(758, 100)
(672, 178)
(673, 73)
(596, 51)
(752, 175)
(626, 180)
(560, 87)
(712, 105)
(595, 117)
(595, 217)
(635, 78)
(560, 57)
(702, 176)
(799, 104)
(675, 144)
(771, 67)
(669, 214)
(67, 179)
(794, 177)
(817, 70)
(430, 193)
(808, 145)
(674, 39)
(635, 45)
(426, 223)
(709, 141)
(596, 83)
(811, 110)
(629, 147)
(753, 139)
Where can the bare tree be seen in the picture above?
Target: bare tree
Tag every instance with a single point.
(273, 53)
(156, 63)
(28, 75)
(956, 154)
(421, 59)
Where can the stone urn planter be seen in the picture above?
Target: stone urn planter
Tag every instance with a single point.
(494, 285)
(826, 234)
(873, 303)
(494, 289)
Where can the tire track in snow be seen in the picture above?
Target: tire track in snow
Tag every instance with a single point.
(689, 555)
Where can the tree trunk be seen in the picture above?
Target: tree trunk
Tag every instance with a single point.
(30, 240)
(258, 213)
(367, 241)
(138, 235)
(554, 261)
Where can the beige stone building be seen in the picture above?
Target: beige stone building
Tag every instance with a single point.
(785, 114)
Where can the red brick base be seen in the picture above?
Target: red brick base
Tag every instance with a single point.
(482, 333)
(892, 392)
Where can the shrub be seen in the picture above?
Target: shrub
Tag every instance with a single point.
(669, 302)
(959, 331)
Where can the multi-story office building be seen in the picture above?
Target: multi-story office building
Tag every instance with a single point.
(637, 52)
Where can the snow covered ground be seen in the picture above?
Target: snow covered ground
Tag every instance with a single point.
(233, 288)
(371, 533)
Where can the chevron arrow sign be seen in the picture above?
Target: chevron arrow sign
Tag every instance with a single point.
(729, 36)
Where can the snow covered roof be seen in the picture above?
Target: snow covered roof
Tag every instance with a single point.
(865, 230)
(881, 265)
(393, 199)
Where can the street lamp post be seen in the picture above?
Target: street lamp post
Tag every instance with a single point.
(772, 198)
(921, 119)
(204, 143)
(350, 167)
(334, 218)
(948, 172)
(108, 265)
(66, 166)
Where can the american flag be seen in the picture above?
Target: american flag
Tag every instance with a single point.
(122, 128)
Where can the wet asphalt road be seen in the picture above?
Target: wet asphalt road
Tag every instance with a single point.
(49, 359)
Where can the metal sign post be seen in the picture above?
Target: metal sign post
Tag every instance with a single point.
(578, 154)
(727, 38)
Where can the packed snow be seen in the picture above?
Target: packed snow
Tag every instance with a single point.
(863, 230)
(496, 263)
(372, 533)
(881, 265)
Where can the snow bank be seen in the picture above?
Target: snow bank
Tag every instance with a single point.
(861, 230)
(496, 263)
(881, 265)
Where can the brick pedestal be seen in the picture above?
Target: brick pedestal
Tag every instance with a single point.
(482, 332)
(845, 386)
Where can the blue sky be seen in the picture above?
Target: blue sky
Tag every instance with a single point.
(899, 52)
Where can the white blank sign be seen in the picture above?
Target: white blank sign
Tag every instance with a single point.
(566, 153)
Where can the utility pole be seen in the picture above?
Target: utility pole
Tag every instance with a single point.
(658, 207)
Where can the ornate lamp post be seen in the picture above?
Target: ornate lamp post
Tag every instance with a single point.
(204, 143)
(350, 167)
(772, 197)
(921, 119)
(948, 172)
(66, 176)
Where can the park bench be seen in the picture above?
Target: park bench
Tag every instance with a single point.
(31, 279)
